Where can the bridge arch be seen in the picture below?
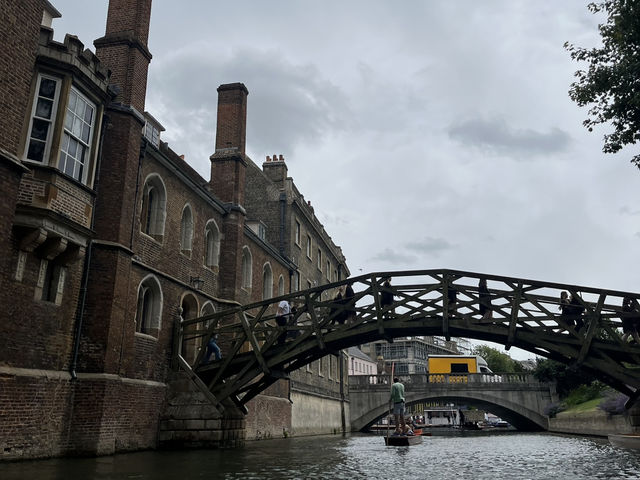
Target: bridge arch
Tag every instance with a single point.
(516, 398)
(525, 315)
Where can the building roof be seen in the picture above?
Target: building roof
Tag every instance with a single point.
(356, 352)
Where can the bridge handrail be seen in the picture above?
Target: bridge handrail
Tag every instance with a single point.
(445, 378)
(525, 313)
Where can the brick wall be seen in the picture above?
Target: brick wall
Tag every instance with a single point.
(263, 202)
(40, 333)
(19, 37)
(45, 188)
(34, 414)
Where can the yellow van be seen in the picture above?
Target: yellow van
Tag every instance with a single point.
(453, 368)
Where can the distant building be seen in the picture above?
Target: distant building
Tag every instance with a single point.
(410, 355)
(360, 363)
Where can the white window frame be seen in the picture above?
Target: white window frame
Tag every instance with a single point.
(247, 267)
(186, 230)
(211, 244)
(150, 325)
(87, 160)
(153, 213)
(151, 133)
(267, 281)
(297, 234)
(52, 121)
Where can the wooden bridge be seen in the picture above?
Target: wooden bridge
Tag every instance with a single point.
(525, 314)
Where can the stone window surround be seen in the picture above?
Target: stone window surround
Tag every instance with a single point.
(56, 130)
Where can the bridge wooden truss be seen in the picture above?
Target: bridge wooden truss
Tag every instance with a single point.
(524, 314)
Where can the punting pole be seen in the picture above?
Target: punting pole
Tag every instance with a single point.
(393, 364)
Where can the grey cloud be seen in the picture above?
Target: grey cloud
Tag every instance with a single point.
(288, 103)
(430, 245)
(497, 136)
(625, 210)
(390, 256)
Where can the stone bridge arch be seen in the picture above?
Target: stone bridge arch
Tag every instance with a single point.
(521, 402)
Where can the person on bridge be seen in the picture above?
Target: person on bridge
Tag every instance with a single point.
(630, 320)
(386, 299)
(213, 349)
(336, 313)
(282, 318)
(452, 298)
(577, 309)
(565, 308)
(350, 304)
(397, 400)
(484, 300)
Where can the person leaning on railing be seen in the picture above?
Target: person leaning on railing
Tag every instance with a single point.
(386, 298)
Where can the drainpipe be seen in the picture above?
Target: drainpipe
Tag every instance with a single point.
(283, 210)
(87, 260)
(342, 415)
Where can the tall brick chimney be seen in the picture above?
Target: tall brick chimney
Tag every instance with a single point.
(228, 171)
(123, 49)
(228, 164)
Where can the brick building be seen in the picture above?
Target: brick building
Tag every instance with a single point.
(112, 238)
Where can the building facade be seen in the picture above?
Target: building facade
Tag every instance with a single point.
(112, 239)
(410, 355)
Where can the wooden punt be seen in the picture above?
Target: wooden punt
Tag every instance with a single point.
(402, 440)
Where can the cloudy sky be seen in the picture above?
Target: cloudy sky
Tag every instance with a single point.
(427, 134)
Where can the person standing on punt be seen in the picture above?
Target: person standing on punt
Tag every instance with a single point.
(397, 400)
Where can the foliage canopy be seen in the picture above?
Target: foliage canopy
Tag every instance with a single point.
(498, 362)
(611, 83)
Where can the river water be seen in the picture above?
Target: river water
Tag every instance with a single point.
(445, 455)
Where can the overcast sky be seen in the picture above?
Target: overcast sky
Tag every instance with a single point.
(426, 134)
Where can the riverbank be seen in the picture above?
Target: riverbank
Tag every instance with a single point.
(594, 423)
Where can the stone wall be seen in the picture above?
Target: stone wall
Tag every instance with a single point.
(316, 415)
(590, 423)
(270, 413)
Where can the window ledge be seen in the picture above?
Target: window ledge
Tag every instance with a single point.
(156, 238)
(146, 336)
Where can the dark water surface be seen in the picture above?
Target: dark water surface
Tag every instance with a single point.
(472, 455)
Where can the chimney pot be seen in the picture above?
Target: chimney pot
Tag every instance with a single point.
(282, 158)
(268, 158)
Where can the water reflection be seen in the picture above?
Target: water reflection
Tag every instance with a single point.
(462, 456)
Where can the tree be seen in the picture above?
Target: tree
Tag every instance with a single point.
(498, 362)
(612, 81)
(567, 378)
